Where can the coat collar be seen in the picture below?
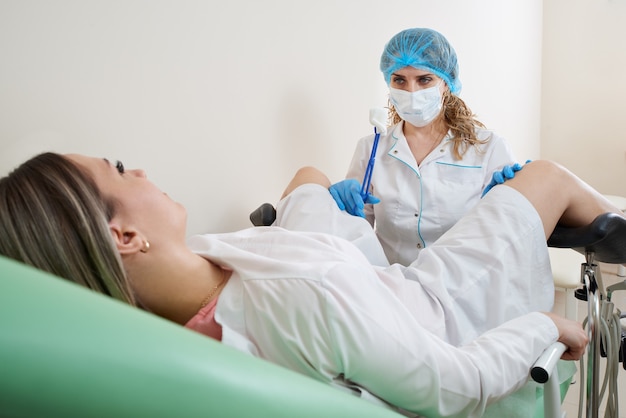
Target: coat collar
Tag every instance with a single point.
(399, 148)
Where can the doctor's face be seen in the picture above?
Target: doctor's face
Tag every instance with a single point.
(412, 79)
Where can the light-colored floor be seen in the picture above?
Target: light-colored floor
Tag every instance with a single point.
(570, 404)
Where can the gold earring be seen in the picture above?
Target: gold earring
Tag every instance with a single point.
(146, 247)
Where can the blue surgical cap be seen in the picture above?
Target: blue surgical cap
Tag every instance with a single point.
(424, 49)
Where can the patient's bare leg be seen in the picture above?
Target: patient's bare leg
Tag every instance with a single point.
(306, 175)
(559, 196)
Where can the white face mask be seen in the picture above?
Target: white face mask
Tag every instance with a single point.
(418, 108)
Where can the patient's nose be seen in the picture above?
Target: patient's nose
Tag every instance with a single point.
(139, 173)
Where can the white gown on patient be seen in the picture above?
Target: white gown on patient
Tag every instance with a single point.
(312, 302)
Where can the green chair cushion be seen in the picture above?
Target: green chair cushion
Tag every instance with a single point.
(66, 351)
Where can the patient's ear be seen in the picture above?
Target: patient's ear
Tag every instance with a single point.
(127, 241)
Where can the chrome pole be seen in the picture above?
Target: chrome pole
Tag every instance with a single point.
(589, 270)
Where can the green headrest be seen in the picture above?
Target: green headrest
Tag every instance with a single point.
(66, 351)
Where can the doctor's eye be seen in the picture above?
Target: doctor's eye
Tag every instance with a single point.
(425, 80)
(119, 166)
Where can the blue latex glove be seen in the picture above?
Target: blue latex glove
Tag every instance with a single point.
(499, 177)
(347, 194)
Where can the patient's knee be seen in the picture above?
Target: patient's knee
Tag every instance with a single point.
(306, 175)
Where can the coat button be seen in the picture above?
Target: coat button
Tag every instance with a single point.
(419, 245)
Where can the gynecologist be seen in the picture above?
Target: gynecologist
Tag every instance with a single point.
(436, 159)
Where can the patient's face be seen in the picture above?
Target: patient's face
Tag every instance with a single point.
(140, 203)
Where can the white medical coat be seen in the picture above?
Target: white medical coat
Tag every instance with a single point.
(419, 203)
(313, 303)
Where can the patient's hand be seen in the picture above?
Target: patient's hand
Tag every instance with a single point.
(572, 334)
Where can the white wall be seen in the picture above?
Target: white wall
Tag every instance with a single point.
(222, 101)
(584, 86)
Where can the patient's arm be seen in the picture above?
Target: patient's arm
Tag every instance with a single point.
(409, 367)
(384, 349)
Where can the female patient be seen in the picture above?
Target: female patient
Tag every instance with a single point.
(306, 300)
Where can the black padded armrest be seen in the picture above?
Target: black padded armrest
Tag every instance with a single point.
(264, 215)
(605, 236)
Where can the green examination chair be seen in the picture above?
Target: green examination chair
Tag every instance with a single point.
(68, 352)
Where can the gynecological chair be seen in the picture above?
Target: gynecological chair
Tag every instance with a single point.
(602, 241)
(66, 351)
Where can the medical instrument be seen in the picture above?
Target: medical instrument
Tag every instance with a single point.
(378, 116)
(604, 240)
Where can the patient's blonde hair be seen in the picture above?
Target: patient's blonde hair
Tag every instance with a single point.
(458, 118)
(53, 217)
